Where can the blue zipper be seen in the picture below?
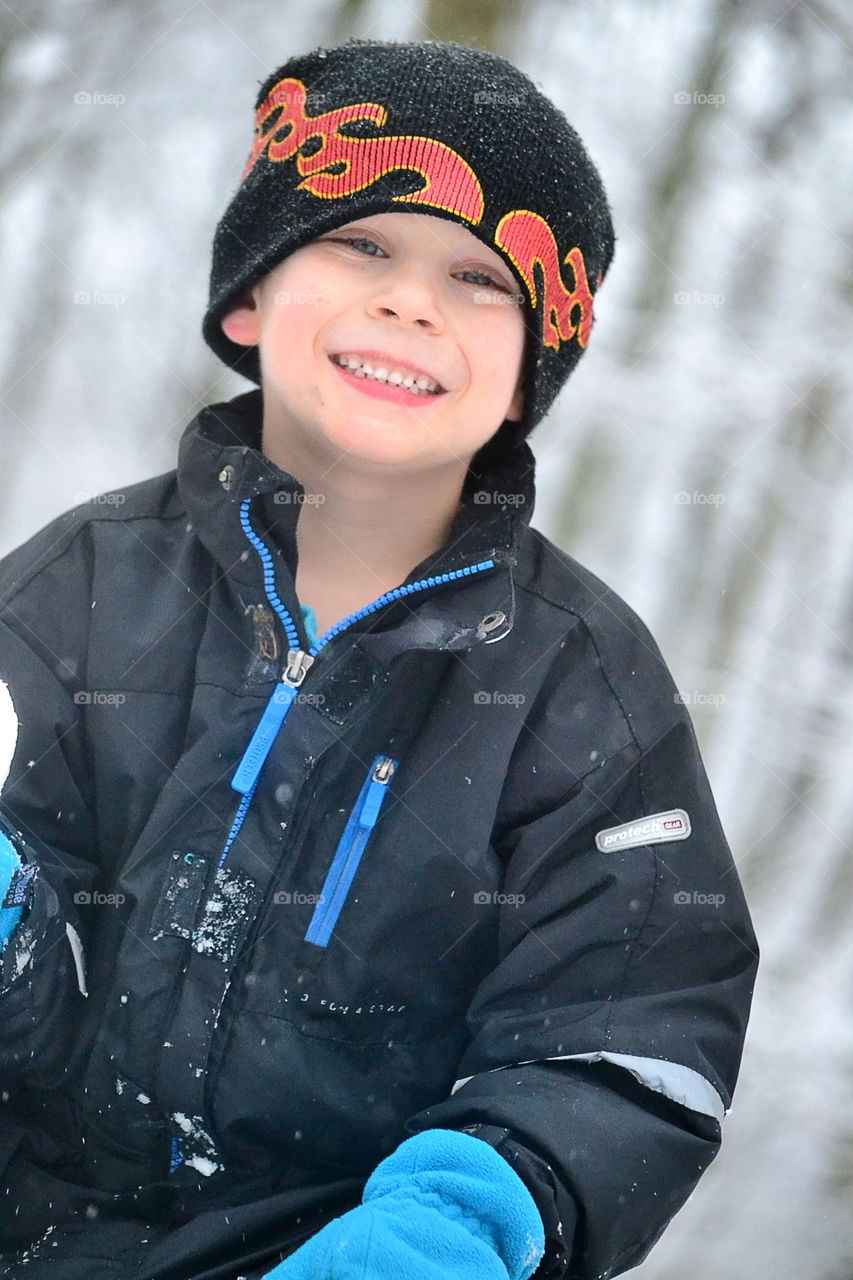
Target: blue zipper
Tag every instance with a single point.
(350, 848)
(245, 778)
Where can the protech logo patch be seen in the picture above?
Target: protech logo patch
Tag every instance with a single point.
(655, 829)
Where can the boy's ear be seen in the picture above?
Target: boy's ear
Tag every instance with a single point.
(242, 324)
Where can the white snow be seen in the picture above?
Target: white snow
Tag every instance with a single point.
(202, 1158)
(24, 943)
(8, 732)
(224, 913)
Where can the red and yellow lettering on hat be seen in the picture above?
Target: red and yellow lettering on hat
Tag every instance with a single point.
(342, 165)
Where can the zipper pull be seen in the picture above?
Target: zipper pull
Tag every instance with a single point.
(384, 769)
(295, 671)
(382, 775)
(298, 664)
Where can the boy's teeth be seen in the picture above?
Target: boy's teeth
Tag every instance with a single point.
(363, 369)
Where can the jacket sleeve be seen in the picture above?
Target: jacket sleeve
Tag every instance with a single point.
(606, 1042)
(46, 813)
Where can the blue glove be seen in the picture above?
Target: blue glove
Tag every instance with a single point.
(443, 1206)
(9, 864)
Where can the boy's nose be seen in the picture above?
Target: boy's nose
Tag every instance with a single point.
(411, 300)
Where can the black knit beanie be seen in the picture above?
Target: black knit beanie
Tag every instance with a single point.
(430, 127)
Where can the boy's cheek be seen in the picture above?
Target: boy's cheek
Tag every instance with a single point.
(500, 366)
(301, 301)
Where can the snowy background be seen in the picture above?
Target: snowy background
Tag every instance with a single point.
(699, 459)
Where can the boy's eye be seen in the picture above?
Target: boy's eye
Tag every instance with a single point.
(358, 242)
(365, 245)
(480, 277)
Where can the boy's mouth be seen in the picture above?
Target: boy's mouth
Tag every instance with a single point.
(393, 375)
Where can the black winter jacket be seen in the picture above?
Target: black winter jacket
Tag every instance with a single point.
(225, 1007)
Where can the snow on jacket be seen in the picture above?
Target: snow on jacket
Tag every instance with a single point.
(473, 878)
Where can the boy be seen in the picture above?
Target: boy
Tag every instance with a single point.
(369, 912)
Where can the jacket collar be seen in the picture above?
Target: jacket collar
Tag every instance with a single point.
(220, 464)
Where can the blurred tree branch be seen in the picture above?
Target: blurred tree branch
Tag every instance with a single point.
(483, 24)
(677, 183)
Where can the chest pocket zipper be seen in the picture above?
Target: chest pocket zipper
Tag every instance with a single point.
(349, 851)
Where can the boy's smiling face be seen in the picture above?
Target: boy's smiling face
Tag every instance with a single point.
(417, 296)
